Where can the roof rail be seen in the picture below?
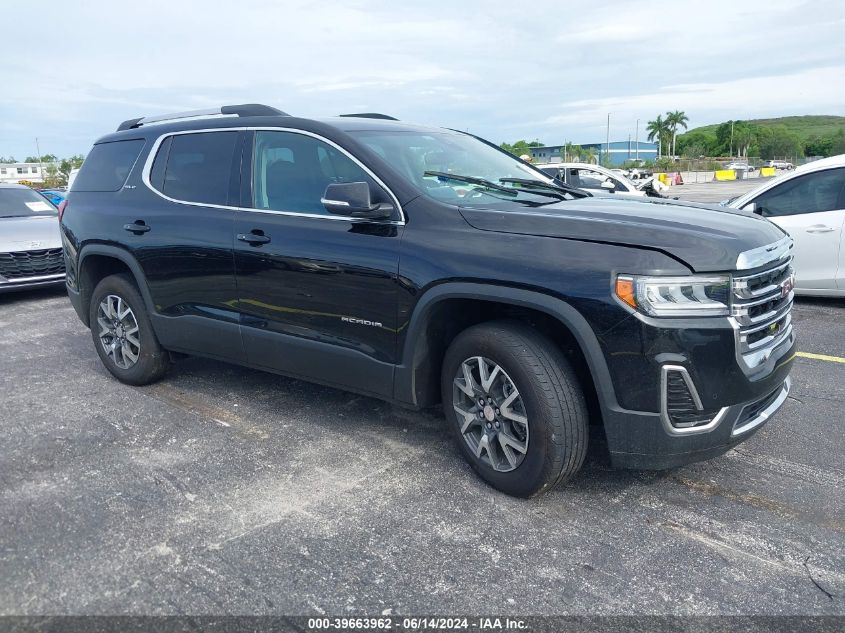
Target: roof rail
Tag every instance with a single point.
(371, 115)
(246, 109)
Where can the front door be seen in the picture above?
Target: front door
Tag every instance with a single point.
(317, 292)
(810, 209)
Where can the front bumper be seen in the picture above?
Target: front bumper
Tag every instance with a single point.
(647, 444)
(28, 283)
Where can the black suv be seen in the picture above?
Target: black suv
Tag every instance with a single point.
(426, 266)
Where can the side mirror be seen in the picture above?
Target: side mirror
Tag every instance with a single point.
(608, 184)
(353, 199)
(752, 208)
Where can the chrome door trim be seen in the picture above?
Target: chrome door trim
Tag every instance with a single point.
(148, 165)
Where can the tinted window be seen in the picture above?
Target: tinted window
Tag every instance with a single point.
(811, 193)
(23, 202)
(197, 167)
(107, 166)
(291, 172)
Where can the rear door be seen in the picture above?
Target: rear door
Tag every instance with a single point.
(317, 292)
(810, 208)
(182, 237)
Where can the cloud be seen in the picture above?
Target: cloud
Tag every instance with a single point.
(501, 70)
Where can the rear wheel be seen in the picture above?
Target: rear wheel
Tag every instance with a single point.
(122, 332)
(515, 406)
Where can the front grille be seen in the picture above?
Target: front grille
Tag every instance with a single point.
(24, 264)
(762, 304)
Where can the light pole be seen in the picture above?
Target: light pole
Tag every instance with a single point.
(637, 140)
(607, 141)
(40, 164)
(731, 148)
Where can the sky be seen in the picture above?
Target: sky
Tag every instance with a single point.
(72, 71)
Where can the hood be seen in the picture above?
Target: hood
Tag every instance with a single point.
(706, 238)
(29, 233)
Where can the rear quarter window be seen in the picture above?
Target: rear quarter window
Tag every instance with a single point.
(107, 166)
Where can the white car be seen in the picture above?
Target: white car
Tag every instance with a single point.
(809, 204)
(738, 166)
(593, 178)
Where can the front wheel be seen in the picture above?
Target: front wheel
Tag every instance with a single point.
(515, 407)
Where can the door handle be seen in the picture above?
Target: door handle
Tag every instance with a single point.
(137, 227)
(254, 238)
(819, 228)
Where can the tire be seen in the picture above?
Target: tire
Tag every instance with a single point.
(151, 360)
(552, 400)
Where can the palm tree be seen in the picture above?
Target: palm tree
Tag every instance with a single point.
(674, 120)
(657, 129)
(572, 153)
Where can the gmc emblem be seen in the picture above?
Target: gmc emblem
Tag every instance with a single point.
(787, 286)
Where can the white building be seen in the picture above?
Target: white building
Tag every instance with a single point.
(13, 172)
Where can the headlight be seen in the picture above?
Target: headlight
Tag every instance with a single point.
(693, 296)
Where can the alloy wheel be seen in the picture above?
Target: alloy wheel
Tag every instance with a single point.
(491, 413)
(119, 333)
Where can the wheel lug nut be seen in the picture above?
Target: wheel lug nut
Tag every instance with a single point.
(497, 412)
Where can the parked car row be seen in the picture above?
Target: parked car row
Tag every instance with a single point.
(30, 246)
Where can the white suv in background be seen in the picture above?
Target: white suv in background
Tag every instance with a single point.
(809, 204)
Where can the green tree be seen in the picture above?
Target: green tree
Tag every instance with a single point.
(837, 145)
(7, 161)
(819, 146)
(697, 143)
(521, 147)
(588, 155)
(45, 158)
(67, 164)
(571, 153)
(778, 142)
(658, 130)
(675, 120)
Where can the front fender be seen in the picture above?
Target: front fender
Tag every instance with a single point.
(408, 387)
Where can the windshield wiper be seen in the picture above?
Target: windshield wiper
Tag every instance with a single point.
(559, 187)
(471, 180)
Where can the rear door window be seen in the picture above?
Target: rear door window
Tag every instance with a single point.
(107, 166)
(195, 167)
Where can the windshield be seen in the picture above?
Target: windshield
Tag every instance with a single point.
(19, 203)
(442, 164)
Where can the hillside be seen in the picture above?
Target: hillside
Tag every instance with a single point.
(805, 127)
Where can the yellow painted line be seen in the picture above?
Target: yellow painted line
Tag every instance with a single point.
(830, 359)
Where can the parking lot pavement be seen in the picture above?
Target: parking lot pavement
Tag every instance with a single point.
(226, 490)
(714, 191)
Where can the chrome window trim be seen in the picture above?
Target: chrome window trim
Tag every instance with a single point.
(766, 413)
(148, 165)
(670, 428)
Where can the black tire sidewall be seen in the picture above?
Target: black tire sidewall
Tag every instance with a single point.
(152, 358)
(529, 477)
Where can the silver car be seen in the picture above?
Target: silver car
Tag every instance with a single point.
(30, 245)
